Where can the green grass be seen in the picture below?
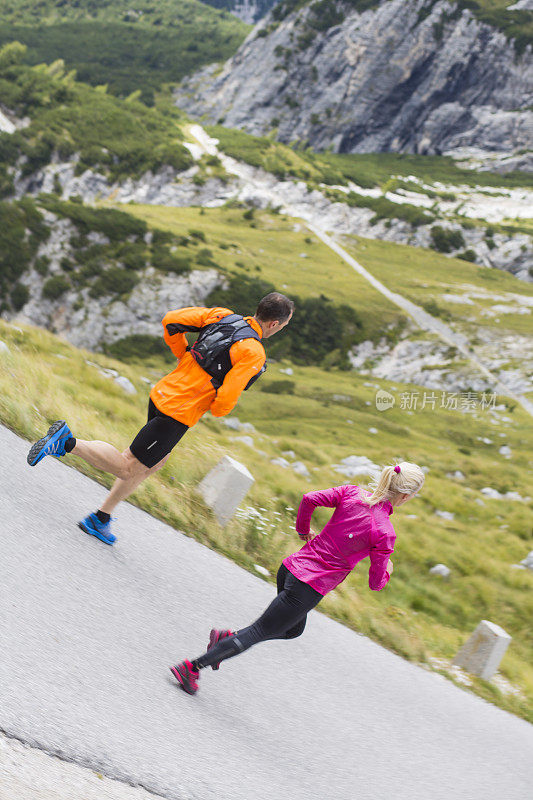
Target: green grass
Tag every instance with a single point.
(424, 276)
(271, 250)
(365, 169)
(108, 44)
(417, 615)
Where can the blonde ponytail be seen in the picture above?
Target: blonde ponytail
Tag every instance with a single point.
(402, 478)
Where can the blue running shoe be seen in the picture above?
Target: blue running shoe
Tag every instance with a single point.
(53, 444)
(102, 530)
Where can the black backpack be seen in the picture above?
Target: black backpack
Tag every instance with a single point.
(211, 349)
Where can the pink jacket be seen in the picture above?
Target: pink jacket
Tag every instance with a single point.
(354, 532)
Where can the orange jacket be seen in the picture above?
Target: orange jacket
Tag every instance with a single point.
(187, 392)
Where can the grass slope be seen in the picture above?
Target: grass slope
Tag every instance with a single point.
(268, 246)
(127, 48)
(365, 169)
(426, 277)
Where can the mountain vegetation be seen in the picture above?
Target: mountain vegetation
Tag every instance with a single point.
(110, 248)
(126, 49)
(311, 407)
(71, 120)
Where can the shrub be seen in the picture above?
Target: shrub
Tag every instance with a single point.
(137, 56)
(278, 387)
(133, 256)
(445, 240)
(166, 261)
(435, 310)
(242, 295)
(116, 225)
(114, 281)
(41, 265)
(385, 208)
(55, 287)
(324, 15)
(200, 235)
(161, 237)
(468, 255)
(340, 326)
(19, 296)
(138, 346)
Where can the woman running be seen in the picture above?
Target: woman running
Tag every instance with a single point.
(359, 527)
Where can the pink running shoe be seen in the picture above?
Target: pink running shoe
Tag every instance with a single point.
(186, 676)
(215, 637)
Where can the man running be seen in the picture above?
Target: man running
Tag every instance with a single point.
(233, 357)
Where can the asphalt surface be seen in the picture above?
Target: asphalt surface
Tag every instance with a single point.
(87, 633)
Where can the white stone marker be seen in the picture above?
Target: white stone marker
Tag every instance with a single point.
(224, 488)
(482, 653)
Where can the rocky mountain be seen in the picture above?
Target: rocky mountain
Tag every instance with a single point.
(414, 76)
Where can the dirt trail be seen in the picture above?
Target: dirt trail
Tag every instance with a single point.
(421, 317)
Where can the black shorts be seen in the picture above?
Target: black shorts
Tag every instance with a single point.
(158, 437)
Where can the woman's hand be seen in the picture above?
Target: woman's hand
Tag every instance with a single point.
(306, 537)
(390, 567)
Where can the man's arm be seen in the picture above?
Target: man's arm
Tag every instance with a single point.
(247, 357)
(194, 318)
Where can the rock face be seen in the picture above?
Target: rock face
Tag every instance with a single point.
(249, 11)
(89, 322)
(433, 365)
(410, 75)
(165, 187)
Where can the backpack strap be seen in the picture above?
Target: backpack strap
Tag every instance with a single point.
(211, 349)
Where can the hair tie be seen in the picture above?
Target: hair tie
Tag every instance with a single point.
(397, 468)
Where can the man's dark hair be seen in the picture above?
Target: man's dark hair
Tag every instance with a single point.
(274, 306)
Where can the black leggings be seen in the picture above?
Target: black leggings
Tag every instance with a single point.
(284, 618)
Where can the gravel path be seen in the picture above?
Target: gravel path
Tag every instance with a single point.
(421, 317)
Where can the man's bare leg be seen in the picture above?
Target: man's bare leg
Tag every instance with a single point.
(98, 524)
(107, 458)
(122, 488)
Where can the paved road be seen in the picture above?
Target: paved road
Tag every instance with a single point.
(87, 633)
